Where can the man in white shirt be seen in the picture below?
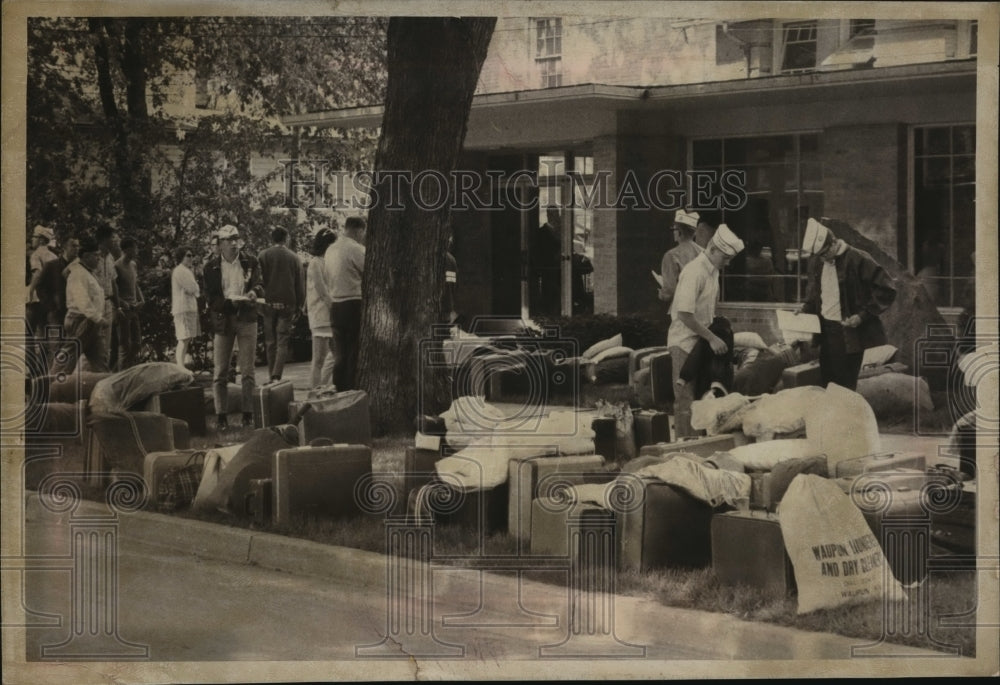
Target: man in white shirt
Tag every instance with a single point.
(85, 313)
(107, 276)
(345, 266)
(691, 314)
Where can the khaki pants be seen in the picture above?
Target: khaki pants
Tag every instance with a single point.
(683, 395)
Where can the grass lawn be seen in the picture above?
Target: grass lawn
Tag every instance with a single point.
(950, 593)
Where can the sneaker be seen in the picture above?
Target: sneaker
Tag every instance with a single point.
(247, 420)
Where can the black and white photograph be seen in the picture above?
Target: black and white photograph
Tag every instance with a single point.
(528, 340)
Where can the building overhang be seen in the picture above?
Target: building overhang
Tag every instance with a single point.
(598, 99)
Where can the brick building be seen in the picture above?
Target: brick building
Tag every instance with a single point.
(869, 121)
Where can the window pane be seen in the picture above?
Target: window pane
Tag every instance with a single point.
(933, 141)
(706, 153)
(964, 140)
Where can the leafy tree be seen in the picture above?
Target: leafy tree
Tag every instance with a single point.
(433, 66)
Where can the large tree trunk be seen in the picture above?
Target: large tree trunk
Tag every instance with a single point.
(433, 67)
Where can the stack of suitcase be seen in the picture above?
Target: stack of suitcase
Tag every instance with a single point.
(525, 476)
(271, 403)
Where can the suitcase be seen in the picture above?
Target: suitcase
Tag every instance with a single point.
(650, 427)
(955, 529)
(481, 510)
(670, 529)
(748, 549)
(880, 462)
(768, 487)
(181, 433)
(186, 403)
(703, 447)
(802, 374)
(525, 475)
(550, 523)
(343, 418)
(906, 542)
(121, 441)
(156, 464)
(605, 437)
(270, 403)
(318, 481)
(234, 399)
(431, 425)
(257, 504)
(878, 370)
(418, 469)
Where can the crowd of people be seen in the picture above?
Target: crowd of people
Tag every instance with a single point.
(91, 288)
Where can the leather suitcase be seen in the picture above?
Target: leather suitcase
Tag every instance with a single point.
(418, 469)
(768, 487)
(650, 427)
(343, 418)
(880, 462)
(661, 384)
(802, 374)
(186, 403)
(257, 505)
(525, 475)
(181, 433)
(155, 464)
(670, 529)
(605, 437)
(906, 543)
(318, 481)
(748, 549)
(550, 524)
(482, 510)
(270, 403)
(703, 447)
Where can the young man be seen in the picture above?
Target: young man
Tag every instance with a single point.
(677, 257)
(849, 290)
(107, 277)
(232, 286)
(85, 313)
(284, 292)
(345, 266)
(41, 255)
(130, 301)
(692, 312)
(50, 286)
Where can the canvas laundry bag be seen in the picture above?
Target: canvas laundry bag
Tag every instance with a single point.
(782, 412)
(719, 415)
(836, 558)
(842, 425)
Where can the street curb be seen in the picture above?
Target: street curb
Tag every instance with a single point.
(721, 635)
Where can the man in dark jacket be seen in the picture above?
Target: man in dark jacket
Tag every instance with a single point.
(232, 286)
(848, 290)
(284, 291)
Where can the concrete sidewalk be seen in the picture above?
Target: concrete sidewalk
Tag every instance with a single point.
(636, 621)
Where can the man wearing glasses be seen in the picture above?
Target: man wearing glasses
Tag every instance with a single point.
(849, 290)
(232, 286)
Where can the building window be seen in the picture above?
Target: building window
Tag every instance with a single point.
(944, 211)
(548, 51)
(861, 27)
(799, 47)
(784, 187)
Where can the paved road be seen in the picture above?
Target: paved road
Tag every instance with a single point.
(190, 609)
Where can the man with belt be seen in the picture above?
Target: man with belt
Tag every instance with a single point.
(284, 291)
(232, 286)
(692, 312)
(849, 290)
(85, 313)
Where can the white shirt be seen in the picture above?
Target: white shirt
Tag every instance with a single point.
(829, 288)
(345, 263)
(184, 290)
(84, 294)
(697, 292)
(317, 296)
(232, 278)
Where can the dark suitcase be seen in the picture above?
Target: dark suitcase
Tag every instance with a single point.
(550, 522)
(670, 529)
(431, 425)
(418, 469)
(270, 403)
(954, 528)
(234, 399)
(318, 481)
(156, 464)
(768, 487)
(605, 437)
(748, 549)
(703, 447)
(880, 462)
(181, 433)
(122, 440)
(480, 510)
(650, 427)
(525, 475)
(900, 516)
(343, 418)
(257, 504)
(186, 404)
(802, 374)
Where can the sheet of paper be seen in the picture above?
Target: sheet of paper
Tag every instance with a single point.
(798, 323)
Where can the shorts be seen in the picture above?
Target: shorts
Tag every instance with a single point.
(186, 325)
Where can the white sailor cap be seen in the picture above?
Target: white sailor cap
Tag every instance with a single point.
(726, 241)
(686, 218)
(814, 237)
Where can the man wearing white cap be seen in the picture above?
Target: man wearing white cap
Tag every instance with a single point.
(677, 257)
(42, 254)
(849, 290)
(692, 312)
(232, 285)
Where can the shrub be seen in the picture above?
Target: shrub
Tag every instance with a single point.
(637, 331)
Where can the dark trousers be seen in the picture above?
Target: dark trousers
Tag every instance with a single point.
(836, 364)
(277, 331)
(345, 320)
(129, 339)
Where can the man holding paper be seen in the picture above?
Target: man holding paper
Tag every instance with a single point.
(849, 290)
(692, 312)
(676, 258)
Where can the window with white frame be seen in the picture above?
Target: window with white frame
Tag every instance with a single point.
(944, 211)
(798, 46)
(548, 51)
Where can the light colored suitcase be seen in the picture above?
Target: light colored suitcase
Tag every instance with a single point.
(880, 462)
(270, 403)
(525, 475)
(343, 418)
(156, 464)
(703, 447)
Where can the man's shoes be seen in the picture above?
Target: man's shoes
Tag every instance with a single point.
(247, 420)
(222, 423)
(275, 379)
